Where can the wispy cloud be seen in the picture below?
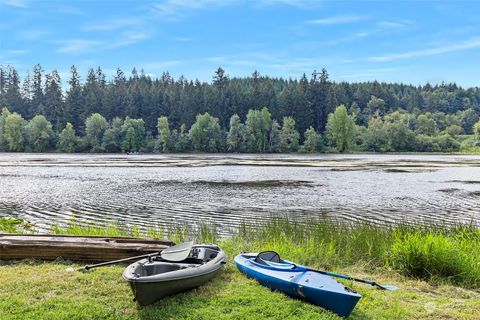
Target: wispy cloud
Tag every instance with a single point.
(174, 9)
(78, 46)
(394, 24)
(338, 20)
(9, 54)
(67, 9)
(380, 27)
(129, 37)
(453, 47)
(33, 34)
(16, 52)
(113, 24)
(16, 3)
(293, 3)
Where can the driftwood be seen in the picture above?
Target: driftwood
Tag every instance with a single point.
(91, 248)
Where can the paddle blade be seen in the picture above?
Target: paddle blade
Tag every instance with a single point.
(177, 253)
(389, 287)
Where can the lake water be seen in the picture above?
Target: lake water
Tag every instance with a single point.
(225, 189)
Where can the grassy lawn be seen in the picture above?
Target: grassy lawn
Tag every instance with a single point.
(44, 290)
(436, 269)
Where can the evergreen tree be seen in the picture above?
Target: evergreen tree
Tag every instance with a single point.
(74, 100)
(37, 91)
(12, 95)
(54, 100)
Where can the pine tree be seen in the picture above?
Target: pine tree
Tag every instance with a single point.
(74, 100)
(37, 91)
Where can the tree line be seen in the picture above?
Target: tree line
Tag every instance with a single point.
(251, 114)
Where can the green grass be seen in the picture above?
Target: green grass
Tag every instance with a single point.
(434, 268)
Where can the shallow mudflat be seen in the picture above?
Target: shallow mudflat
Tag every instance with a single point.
(226, 189)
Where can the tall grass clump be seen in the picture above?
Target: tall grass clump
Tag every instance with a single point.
(10, 225)
(15, 225)
(115, 229)
(439, 257)
(321, 243)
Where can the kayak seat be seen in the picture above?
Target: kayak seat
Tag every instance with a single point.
(270, 256)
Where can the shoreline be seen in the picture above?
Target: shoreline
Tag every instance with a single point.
(362, 251)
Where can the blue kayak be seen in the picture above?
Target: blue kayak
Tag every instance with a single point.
(295, 281)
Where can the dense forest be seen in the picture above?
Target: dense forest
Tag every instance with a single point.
(139, 113)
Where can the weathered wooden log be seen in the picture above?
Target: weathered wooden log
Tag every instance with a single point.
(88, 248)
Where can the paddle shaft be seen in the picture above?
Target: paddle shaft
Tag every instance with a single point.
(178, 252)
(101, 264)
(372, 283)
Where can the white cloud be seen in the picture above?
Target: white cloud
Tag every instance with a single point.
(78, 46)
(337, 20)
(467, 44)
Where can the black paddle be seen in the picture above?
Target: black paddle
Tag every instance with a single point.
(272, 256)
(175, 253)
(372, 283)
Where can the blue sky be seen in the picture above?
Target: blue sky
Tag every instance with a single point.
(394, 41)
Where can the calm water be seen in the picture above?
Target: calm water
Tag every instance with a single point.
(226, 189)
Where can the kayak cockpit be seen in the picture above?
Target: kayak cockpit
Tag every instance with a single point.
(149, 268)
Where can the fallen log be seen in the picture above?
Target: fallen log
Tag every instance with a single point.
(85, 248)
